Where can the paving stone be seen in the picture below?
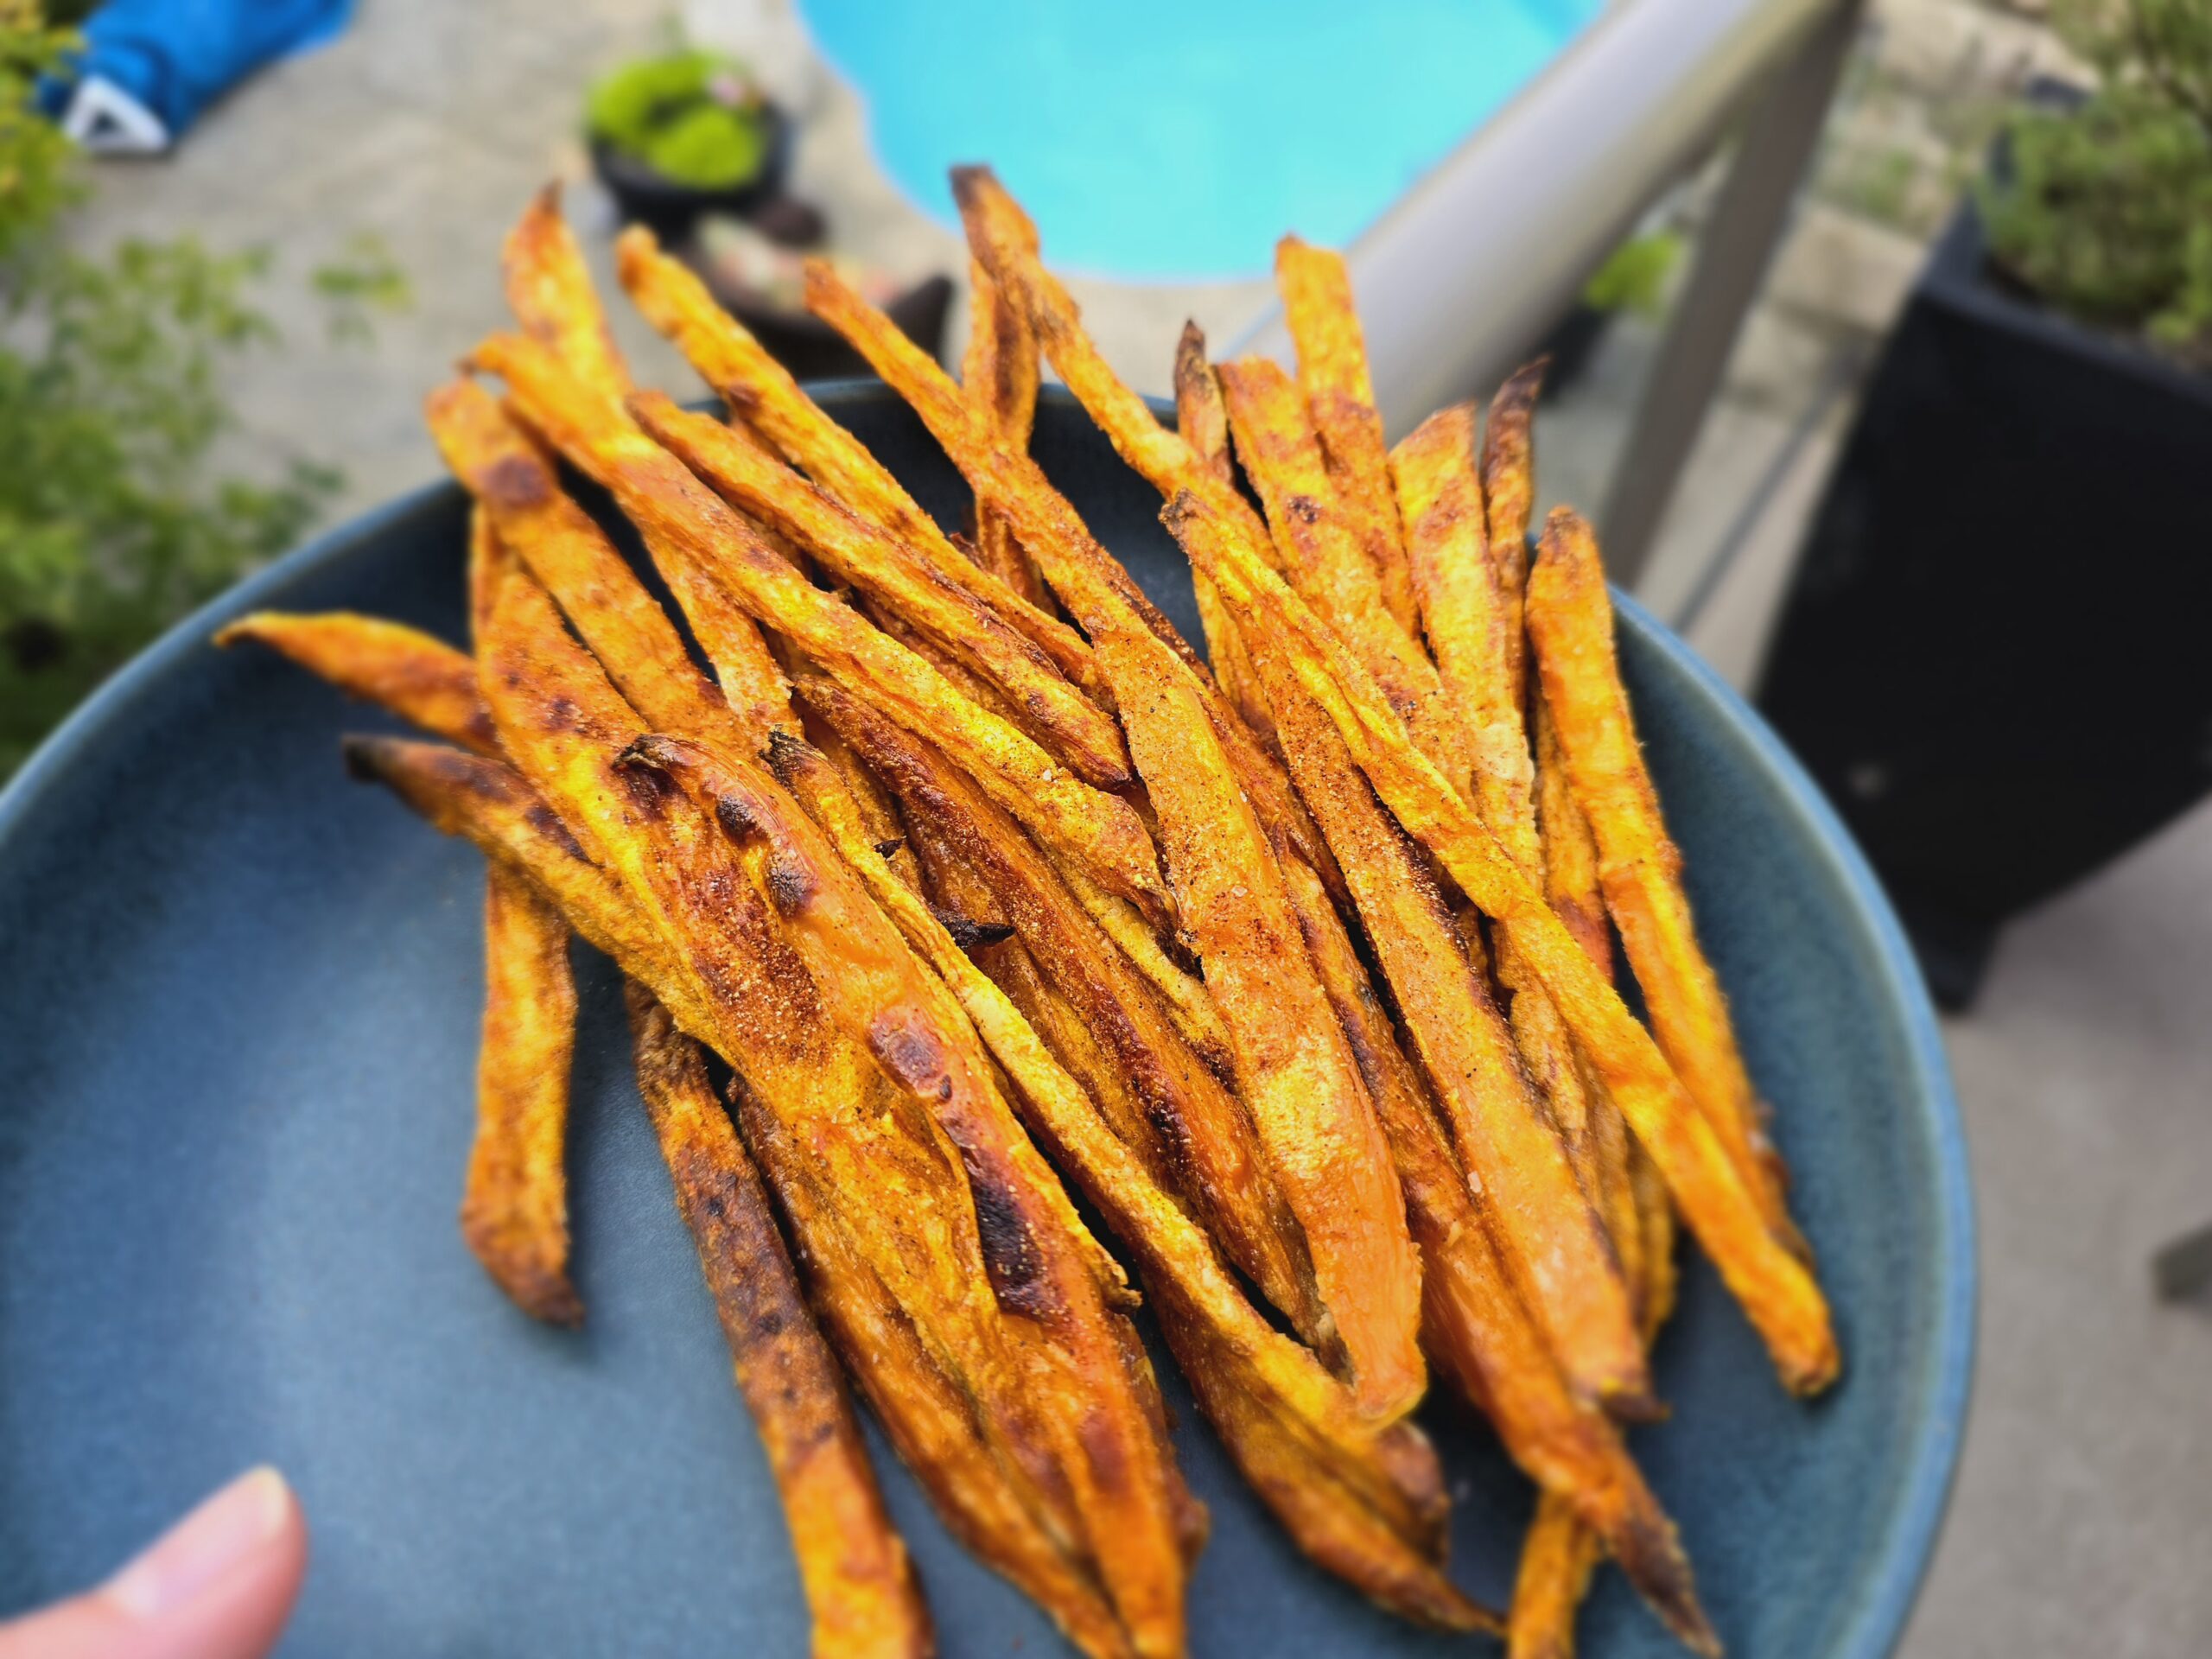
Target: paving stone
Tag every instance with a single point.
(2080, 1522)
(1836, 267)
(1950, 49)
(1781, 359)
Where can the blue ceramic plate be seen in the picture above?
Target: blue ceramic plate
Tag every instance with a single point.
(237, 1018)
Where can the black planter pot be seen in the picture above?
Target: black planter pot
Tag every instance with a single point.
(668, 209)
(1992, 656)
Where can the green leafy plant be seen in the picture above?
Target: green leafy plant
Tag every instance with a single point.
(2106, 210)
(695, 117)
(116, 517)
(1634, 276)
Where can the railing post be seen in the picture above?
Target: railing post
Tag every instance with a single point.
(1773, 145)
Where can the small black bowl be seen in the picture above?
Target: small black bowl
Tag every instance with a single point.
(669, 209)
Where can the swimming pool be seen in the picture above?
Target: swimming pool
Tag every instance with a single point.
(1177, 139)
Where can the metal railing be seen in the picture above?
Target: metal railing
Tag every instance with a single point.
(1478, 259)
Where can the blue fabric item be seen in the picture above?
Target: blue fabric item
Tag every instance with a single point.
(175, 57)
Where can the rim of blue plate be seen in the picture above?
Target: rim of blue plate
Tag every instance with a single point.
(1895, 1580)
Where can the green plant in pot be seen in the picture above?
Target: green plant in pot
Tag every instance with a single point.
(683, 133)
(2104, 209)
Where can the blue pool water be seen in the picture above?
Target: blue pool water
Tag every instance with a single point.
(1177, 139)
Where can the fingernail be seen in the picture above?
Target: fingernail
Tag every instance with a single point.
(224, 1530)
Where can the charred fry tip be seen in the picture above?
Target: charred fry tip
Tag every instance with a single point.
(1519, 392)
(544, 203)
(1181, 507)
(1637, 1405)
(968, 934)
(542, 1291)
(372, 758)
(654, 753)
(1564, 522)
(366, 758)
(1652, 1558)
(788, 749)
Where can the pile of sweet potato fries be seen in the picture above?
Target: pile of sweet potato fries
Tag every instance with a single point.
(1294, 958)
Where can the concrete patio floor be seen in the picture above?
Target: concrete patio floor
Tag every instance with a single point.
(2083, 1521)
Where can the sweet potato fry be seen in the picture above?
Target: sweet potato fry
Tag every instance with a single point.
(894, 1182)
(932, 1419)
(924, 1413)
(1655, 1209)
(488, 804)
(1570, 628)
(1202, 419)
(1509, 500)
(1201, 414)
(1571, 881)
(1004, 240)
(1570, 872)
(1002, 237)
(877, 812)
(1773, 1287)
(1544, 1228)
(1188, 1128)
(999, 373)
(1442, 497)
(750, 479)
(1477, 1330)
(514, 1212)
(1184, 994)
(1047, 1273)
(625, 626)
(550, 293)
(761, 389)
(514, 1206)
(1293, 1450)
(1319, 553)
(418, 677)
(1310, 1113)
(861, 1590)
(1088, 581)
(1366, 1501)
(1556, 1562)
(1324, 325)
(1560, 1553)
(1309, 1109)
(695, 537)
